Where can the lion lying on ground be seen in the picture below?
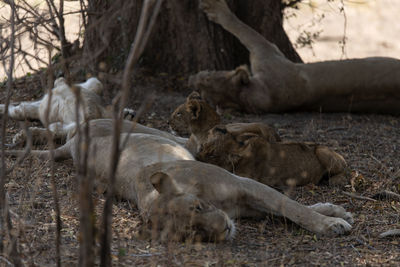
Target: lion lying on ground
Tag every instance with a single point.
(255, 150)
(275, 84)
(182, 198)
(62, 112)
(274, 164)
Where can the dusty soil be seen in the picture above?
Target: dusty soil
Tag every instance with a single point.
(370, 144)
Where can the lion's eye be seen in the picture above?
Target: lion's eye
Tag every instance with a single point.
(198, 208)
(178, 114)
(221, 130)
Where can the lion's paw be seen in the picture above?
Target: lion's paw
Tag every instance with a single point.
(336, 226)
(348, 217)
(332, 210)
(19, 138)
(214, 8)
(129, 114)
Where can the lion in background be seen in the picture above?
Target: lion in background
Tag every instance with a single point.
(273, 83)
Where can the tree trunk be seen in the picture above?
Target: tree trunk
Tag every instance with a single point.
(183, 40)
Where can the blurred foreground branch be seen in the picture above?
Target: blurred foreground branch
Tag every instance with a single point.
(5, 220)
(148, 16)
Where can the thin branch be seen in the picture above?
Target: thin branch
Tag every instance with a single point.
(355, 196)
(390, 233)
(138, 45)
(344, 39)
(53, 182)
(291, 3)
(6, 220)
(3, 128)
(87, 226)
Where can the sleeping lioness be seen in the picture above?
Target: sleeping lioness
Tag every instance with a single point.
(255, 150)
(181, 197)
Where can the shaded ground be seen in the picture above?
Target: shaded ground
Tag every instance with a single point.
(370, 144)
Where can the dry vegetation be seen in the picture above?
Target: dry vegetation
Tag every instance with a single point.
(370, 144)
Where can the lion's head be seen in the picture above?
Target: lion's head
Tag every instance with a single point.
(242, 152)
(195, 114)
(176, 215)
(223, 147)
(221, 88)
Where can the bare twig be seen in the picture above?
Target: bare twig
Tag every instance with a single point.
(26, 151)
(387, 195)
(87, 224)
(56, 203)
(6, 261)
(344, 38)
(390, 233)
(3, 205)
(291, 3)
(355, 196)
(139, 43)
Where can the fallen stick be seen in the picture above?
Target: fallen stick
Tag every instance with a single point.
(390, 233)
(355, 196)
(386, 195)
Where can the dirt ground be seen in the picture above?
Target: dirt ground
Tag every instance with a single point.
(369, 143)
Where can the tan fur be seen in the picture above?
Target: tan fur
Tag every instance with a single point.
(62, 109)
(181, 197)
(199, 118)
(275, 84)
(275, 164)
(254, 150)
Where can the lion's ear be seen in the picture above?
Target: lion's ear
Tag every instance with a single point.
(59, 81)
(245, 136)
(164, 184)
(194, 108)
(241, 76)
(193, 95)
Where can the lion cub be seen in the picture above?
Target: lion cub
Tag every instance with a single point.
(197, 117)
(274, 164)
(255, 150)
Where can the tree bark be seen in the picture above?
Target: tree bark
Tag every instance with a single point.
(183, 40)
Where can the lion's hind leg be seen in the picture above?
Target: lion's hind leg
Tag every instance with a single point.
(22, 111)
(334, 164)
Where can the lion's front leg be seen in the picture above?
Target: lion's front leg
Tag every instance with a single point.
(267, 200)
(219, 12)
(57, 132)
